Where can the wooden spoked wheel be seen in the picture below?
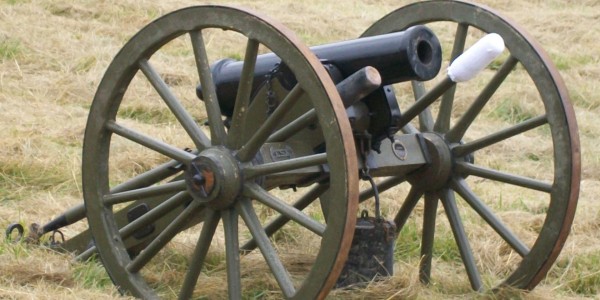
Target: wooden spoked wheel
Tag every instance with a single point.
(505, 161)
(150, 139)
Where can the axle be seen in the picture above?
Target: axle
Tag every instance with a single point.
(413, 54)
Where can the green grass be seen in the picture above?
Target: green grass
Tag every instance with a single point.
(511, 204)
(583, 273)
(287, 234)
(17, 251)
(9, 48)
(408, 243)
(585, 98)
(85, 64)
(13, 2)
(91, 274)
(148, 115)
(563, 63)
(255, 294)
(13, 177)
(212, 261)
(174, 260)
(497, 63)
(235, 55)
(512, 111)
(445, 246)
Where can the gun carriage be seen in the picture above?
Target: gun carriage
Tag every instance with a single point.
(293, 130)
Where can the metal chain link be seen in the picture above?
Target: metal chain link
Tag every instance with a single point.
(365, 148)
(271, 103)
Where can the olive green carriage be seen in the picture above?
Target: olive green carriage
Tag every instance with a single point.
(276, 156)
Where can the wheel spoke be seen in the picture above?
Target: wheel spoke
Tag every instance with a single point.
(154, 214)
(459, 40)
(285, 165)
(423, 103)
(443, 119)
(293, 127)
(145, 220)
(409, 129)
(461, 239)
(470, 169)
(145, 179)
(209, 92)
(197, 261)
(248, 150)
(281, 220)
(458, 130)
(425, 117)
(351, 89)
(538, 79)
(171, 187)
(499, 136)
(149, 177)
(85, 255)
(163, 238)
(461, 187)
(232, 253)
(429, 216)
(148, 142)
(270, 255)
(184, 118)
(254, 191)
(225, 134)
(407, 207)
(242, 100)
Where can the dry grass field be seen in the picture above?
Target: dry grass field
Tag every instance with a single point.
(53, 54)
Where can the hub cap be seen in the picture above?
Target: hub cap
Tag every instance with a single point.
(214, 177)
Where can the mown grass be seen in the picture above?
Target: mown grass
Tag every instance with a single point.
(53, 54)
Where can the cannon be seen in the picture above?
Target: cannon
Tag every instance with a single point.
(277, 145)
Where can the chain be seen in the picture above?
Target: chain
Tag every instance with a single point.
(34, 236)
(271, 102)
(365, 148)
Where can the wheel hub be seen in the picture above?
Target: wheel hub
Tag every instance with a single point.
(214, 177)
(436, 174)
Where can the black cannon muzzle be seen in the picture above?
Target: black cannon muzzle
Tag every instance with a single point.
(413, 54)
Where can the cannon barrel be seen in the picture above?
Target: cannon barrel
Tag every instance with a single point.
(413, 54)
